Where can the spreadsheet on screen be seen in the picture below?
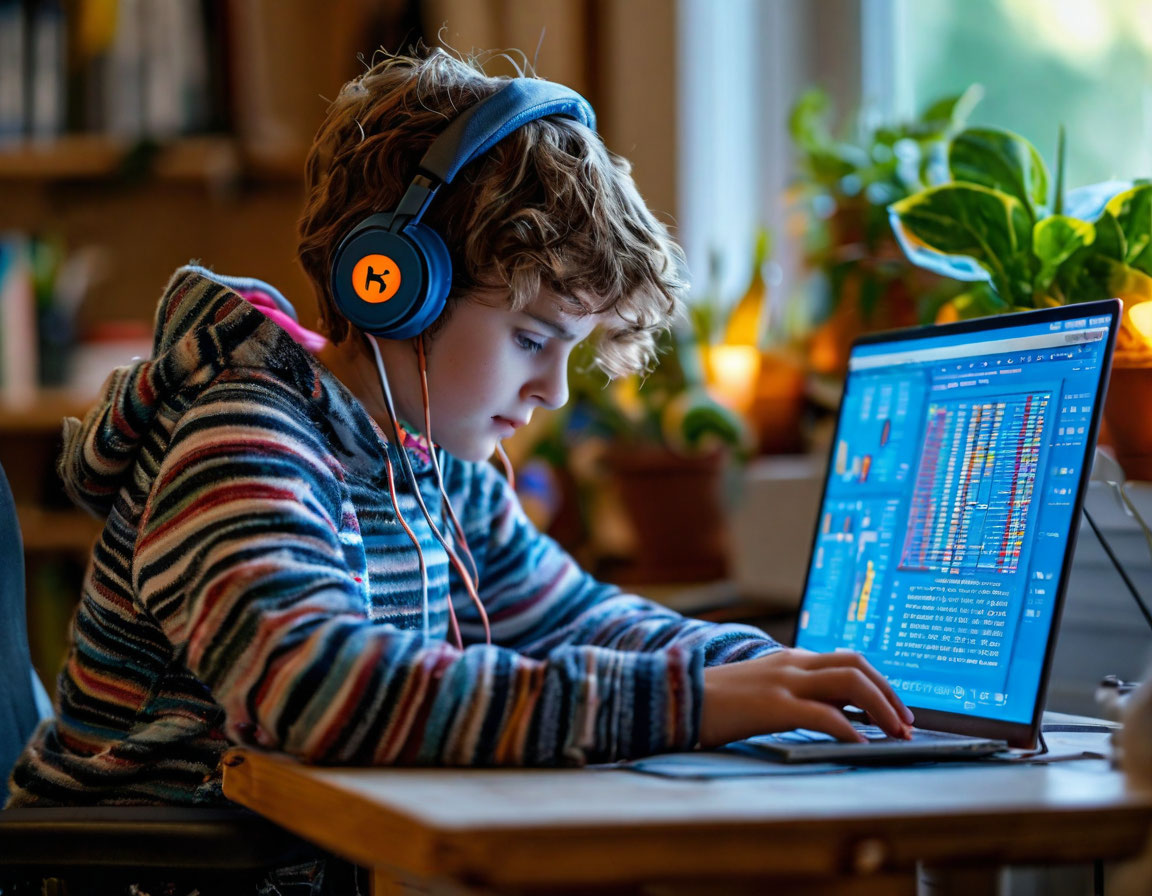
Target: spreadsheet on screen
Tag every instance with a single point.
(947, 508)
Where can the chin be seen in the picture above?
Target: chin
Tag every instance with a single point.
(475, 451)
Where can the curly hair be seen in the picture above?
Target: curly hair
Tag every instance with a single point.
(547, 207)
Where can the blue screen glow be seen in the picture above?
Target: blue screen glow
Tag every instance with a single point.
(947, 510)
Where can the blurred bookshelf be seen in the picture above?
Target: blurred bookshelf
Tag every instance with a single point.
(206, 158)
(135, 138)
(41, 413)
(57, 530)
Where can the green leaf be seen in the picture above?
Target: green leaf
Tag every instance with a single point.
(829, 165)
(1132, 210)
(1054, 239)
(807, 121)
(992, 228)
(692, 419)
(1084, 277)
(953, 111)
(1110, 241)
(1058, 191)
(1001, 161)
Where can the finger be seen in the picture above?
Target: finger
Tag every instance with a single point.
(821, 717)
(846, 684)
(858, 661)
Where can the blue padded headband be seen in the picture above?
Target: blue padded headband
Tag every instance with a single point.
(484, 125)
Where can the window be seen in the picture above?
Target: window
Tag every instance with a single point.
(1042, 63)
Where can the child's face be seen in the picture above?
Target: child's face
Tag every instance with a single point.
(489, 368)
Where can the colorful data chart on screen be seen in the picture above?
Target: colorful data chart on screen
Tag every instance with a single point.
(870, 456)
(973, 490)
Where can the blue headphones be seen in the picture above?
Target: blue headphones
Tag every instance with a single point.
(391, 274)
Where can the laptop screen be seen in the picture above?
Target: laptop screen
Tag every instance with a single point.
(951, 504)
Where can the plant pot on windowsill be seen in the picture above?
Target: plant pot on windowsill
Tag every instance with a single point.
(1128, 412)
(776, 413)
(674, 504)
(1128, 407)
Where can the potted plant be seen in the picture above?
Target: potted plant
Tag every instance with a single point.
(845, 188)
(651, 452)
(751, 357)
(996, 224)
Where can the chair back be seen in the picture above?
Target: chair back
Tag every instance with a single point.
(20, 708)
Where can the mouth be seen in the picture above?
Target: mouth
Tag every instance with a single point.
(510, 422)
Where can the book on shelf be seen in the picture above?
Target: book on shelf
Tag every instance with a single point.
(33, 69)
(46, 68)
(150, 70)
(19, 361)
(12, 70)
(130, 69)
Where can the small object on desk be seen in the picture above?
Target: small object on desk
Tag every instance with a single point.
(1112, 696)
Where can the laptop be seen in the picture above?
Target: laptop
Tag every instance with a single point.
(946, 529)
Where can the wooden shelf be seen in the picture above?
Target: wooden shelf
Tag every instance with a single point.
(57, 530)
(94, 157)
(43, 414)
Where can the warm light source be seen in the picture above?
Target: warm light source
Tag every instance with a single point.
(1140, 317)
(733, 372)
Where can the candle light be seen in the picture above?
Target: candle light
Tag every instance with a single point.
(1140, 317)
(733, 372)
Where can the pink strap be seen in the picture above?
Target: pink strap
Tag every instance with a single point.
(263, 302)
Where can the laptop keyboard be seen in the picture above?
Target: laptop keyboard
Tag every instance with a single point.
(872, 732)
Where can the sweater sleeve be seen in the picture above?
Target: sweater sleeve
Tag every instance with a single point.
(539, 599)
(240, 561)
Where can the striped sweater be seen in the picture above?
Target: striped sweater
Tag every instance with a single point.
(252, 585)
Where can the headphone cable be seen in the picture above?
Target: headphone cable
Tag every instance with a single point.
(415, 541)
(411, 474)
(471, 584)
(509, 472)
(392, 492)
(461, 539)
(386, 393)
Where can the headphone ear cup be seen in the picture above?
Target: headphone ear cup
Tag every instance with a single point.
(438, 267)
(380, 278)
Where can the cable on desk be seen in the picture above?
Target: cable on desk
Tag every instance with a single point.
(1119, 568)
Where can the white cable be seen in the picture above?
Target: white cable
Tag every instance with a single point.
(383, 376)
(452, 557)
(471, 579)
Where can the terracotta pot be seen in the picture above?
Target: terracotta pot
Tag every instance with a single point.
(777, 410)
(674, 504)
(1128, 414)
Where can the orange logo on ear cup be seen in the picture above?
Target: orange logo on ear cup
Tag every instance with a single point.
(376, 278)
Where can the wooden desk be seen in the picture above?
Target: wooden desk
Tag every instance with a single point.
(857, 831)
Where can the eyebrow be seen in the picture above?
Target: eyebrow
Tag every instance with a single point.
(556, 329)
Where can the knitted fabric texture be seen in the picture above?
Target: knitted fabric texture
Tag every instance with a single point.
(252, 585)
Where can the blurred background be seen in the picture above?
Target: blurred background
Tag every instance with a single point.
(770, 135)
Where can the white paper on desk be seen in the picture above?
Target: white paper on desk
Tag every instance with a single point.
(707, 765)
(1067, 745)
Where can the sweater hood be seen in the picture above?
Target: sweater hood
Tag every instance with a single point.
(204, 324)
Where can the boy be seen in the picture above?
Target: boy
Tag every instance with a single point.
(270, 574)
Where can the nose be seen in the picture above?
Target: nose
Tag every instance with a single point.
(550, 387)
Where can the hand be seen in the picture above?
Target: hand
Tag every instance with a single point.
(795, 688)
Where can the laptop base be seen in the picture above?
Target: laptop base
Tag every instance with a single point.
(802, 745)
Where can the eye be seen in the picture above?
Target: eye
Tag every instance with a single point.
(528, 344)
